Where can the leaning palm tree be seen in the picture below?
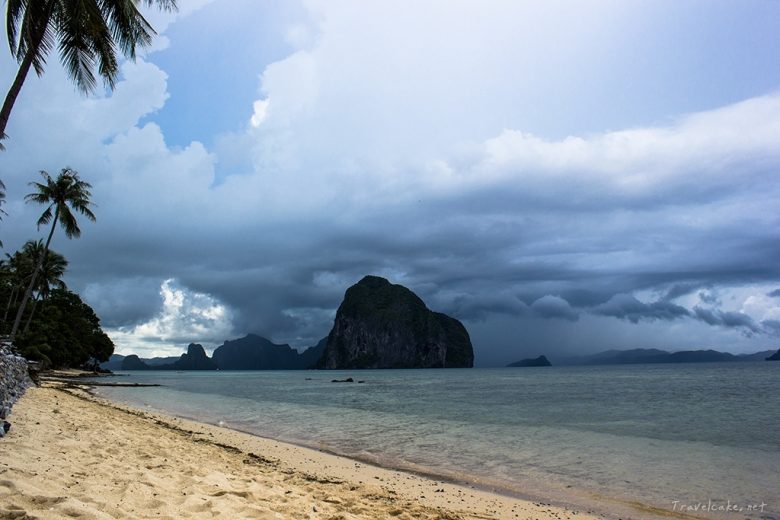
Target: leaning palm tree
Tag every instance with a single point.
(61, 194)
(49, 276)
(86, 34)
(17, 270)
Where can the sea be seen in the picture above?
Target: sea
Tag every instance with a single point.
(700, 439)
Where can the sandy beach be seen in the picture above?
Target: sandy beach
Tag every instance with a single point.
(73, 455)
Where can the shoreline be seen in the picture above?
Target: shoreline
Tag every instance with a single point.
(363, 489)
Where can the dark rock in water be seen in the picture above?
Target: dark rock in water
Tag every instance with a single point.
(347, 380)
(541, 361)
(775, 356)
(133, 362)
(381, 325)
(253, 352)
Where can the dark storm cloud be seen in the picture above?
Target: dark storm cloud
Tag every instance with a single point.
(728, 319)
(771, 326)
(679, 289)
(627, 307)
(554, 307)
(478, 307)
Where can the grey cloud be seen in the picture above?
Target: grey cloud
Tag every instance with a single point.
(627, 307)
(680, 289)
(479, 307)
(774, 294)
(124, 302)
(550, 306)
(772, 327)
(727, 319)
(709, 297)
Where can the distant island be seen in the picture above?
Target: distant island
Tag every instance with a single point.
(251, 352)
(540, 361)
(775, 356)
(382, 325)
(651, 355)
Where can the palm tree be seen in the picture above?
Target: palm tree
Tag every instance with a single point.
(49, 276)
(86, 34)
(17, 270)
(61, 194)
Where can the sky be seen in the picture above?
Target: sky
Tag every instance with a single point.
(563, 177)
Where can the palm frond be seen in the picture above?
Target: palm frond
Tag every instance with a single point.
(87, 34)
(129, 28)
(45, 217)
(13, 18)
(75, 26)
(35, 32)
(68, 222)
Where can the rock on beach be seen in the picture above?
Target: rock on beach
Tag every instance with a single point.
(14, 380)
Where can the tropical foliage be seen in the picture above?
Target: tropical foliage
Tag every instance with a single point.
(61, 330)
(65, 332)
(86, 35)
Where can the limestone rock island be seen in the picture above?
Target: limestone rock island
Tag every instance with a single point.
(382, 325)
(540, 361)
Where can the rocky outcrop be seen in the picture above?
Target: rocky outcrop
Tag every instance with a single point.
(382, 325)
(775, 356)
(540, 361)
(194, 359)
(133, 362)
(14, 379)
(312, 355)
(253, 352)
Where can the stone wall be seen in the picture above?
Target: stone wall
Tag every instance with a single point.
(14, 379)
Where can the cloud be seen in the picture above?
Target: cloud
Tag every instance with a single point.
(727, 319)
(260, 112)
(772, 327)
(627, 307)
(554, 307)
(184, 315)
(613, 201)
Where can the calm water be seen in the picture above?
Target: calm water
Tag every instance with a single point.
(664, 435)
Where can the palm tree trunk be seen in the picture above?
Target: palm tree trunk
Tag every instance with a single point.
(11, 298)
(32, 311)
(13, 92)
(29, 290)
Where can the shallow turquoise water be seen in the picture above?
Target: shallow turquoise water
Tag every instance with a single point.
(664, 435)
